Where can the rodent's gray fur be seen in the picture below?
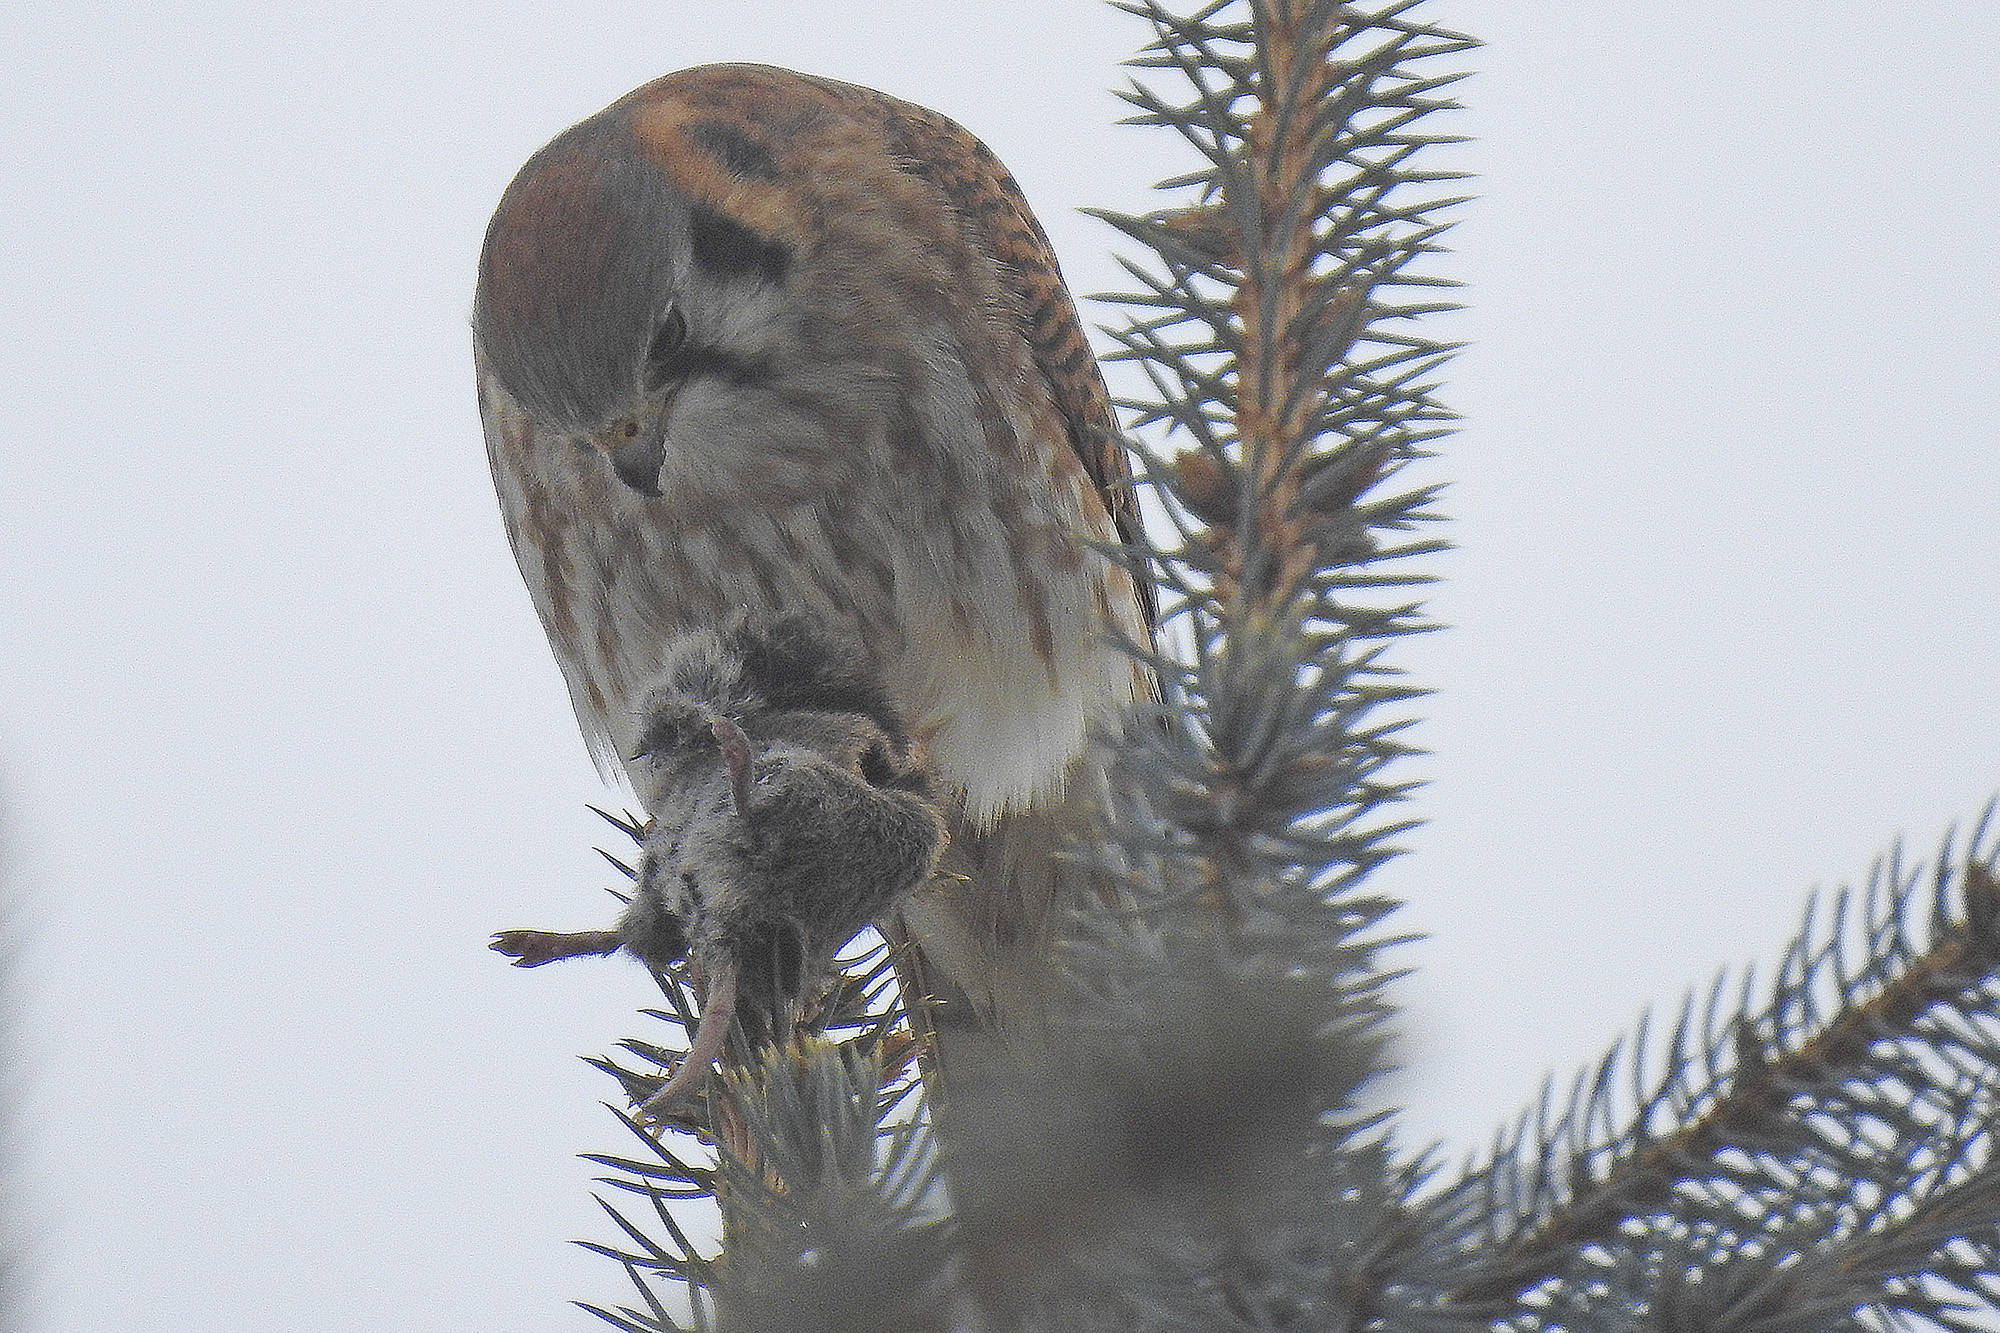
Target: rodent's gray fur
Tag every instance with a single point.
(759, 867)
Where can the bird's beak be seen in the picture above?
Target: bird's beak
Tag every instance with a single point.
(638, 459)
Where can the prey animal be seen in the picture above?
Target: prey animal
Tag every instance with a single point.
(789, 812)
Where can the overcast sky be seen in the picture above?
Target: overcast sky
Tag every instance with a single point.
(281, 742)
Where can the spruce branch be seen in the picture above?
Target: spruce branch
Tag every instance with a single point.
(1303, 222)
(1256, 297)
(1217, 1168)
(823, 1178)
(1848, 1111)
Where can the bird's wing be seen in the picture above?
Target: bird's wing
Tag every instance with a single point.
(984, 193)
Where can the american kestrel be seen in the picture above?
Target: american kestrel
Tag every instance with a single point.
(751, 341)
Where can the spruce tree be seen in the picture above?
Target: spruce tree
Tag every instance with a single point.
(1198, 1146)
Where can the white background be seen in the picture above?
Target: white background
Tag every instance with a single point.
(281, 742)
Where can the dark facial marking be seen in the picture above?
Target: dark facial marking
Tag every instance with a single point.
(672, 359)
(745, 372)
(725, 246)
(739, 154)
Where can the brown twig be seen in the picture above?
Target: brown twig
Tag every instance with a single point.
(1277, 285)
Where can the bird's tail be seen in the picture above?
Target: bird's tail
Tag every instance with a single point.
(975, 955)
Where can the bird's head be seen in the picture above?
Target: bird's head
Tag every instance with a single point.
(634, 286)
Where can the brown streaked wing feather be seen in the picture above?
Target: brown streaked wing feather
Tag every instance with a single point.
(981, 188)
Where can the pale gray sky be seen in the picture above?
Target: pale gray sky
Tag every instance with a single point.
(281, 742)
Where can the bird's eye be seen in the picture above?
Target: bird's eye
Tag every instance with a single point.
(664, 354)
